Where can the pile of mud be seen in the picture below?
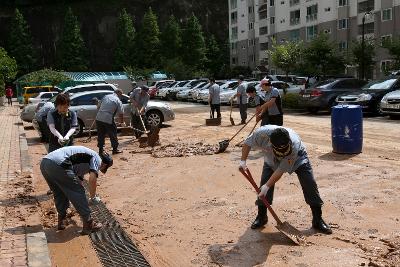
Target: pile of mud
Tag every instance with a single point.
(386, 256)
(184, 150)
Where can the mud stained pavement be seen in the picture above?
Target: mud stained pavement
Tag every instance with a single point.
(195, 210)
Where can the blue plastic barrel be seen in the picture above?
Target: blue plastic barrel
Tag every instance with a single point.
(347, 129)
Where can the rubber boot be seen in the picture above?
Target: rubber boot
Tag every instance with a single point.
(61, 222)
(318, 223)
(90, 226)
(261, 218)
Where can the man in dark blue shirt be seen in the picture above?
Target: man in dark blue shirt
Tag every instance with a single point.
(62, 168)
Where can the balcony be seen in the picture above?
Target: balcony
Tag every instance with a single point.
(294, 21)
(294, 2)
(311, 17)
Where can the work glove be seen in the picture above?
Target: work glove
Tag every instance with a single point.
(62, 141)
(94, 200)
(242, 165)
(264, 190)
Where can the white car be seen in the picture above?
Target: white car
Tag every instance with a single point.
(41, 97)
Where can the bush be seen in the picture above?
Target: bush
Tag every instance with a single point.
(291, 100)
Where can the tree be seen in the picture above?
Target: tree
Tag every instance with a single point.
(368, 56)
(20, 44)
(123, 53)
(72, 52)
(214, 56)
(285, 56)
(8, 69)
(45, 76)
(148, 42)
(194, 50)
(171, 39)
(322, 58)
(393, 47)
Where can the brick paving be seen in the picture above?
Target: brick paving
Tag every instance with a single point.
(16, 205)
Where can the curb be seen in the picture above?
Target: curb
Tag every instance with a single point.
(36, 242)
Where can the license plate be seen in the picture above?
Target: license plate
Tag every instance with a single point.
(306, 96)
(394, 106)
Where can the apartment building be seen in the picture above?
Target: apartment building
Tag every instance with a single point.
(304, 19)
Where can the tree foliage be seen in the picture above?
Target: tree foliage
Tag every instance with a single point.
(124, 51)
(214, 57)
(72, 52)
(148, 42)
(171, 39)
(194, 48)
(8, 69)
(45, 76)
(393, 47)
(368, 56)
(322, 58)
(20, 44)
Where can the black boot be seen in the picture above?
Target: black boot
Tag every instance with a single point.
(61, 222)
(318, 223)
(261, 218)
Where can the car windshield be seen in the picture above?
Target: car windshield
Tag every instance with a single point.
(379, 84)
(153, 83)
(324, 84)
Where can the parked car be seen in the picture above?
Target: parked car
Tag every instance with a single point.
(84, 106)
(33, 91)
(156, 85)
(390, 104)
(28, 112)
(323, 95)
(183, 95)
(370, 95)
(42, 97)
(227, 94)
(171, 94)
(162, 93)
(89, 87)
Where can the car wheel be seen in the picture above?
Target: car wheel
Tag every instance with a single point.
(394, 117)
(154, 118)
(81, 127)
(313, 110)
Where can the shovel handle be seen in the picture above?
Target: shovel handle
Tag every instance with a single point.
(249, 177)
(140, 116)
(242, 127)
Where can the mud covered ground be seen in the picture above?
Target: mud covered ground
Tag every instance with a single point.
(186, 206)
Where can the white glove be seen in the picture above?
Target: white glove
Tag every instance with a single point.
(61, 141)
(94, 200)
(242, 165)
(264, 189)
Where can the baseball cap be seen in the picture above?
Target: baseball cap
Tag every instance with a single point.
(265, 81)
(106, 159)
(281, 143)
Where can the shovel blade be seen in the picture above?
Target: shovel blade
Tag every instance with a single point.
(153, 137)
(292, 233)
(223, 145)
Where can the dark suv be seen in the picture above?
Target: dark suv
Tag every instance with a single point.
(323, 94)
(370, 96)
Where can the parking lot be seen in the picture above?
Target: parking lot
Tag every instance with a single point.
(196, 209)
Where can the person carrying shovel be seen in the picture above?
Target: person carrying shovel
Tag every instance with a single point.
(139, 99)
(270, 112)
(283, 152)
(214, 98)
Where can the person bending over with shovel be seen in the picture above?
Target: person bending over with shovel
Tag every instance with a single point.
(62, 123)
(61, 169)
(283, 152)
(139, 99)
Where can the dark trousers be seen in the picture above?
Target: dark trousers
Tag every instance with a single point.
(137, 124)
(44, 130)
(9, 100)
(243, 112)
(307, 182)
(66, 187)
(104, 129)
(217, 108)
(272, 120)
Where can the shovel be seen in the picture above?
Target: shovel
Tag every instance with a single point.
(223, 145)
(152, 136)
(230, 116)
(284, 227)
(238, 144)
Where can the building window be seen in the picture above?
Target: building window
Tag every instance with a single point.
(386, 65)
(343, 24)
(368, 28)
(234, 17)
(233, 4)
(263, 15)
(252, 58)
(385, 39)
(234, 61)
(271, 2)
(343, 2)
(312, 12)
(251, 42)
(387, 14)
(366, 6)
(272, 20)
(295, 17)
(264, 46)
(263, 30)
(295, 35)
(251, 26)
(343, 46)
(294, 2)
(312, 32)
(234, 33)
(327, 31)
(251, 9)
